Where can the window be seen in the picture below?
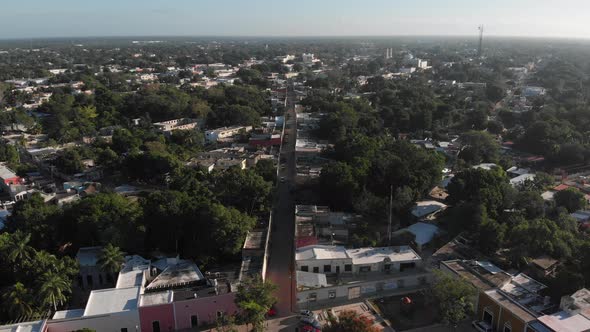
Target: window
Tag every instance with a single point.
(404, 266)
(194, 321)
(338, 269)
(89, 281)
(332, 295)
(316, 269)
(313, 297)
(124, 329)
(488, 316)
(387, 267)
(507, 327)
(348, 268)
(327, 268)
(365, 269)
(156, 326)
(305, 268)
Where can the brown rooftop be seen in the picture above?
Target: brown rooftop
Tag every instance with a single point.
(479, 277)
(510, 305)
(544, 262)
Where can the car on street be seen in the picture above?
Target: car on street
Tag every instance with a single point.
(283, 179)
(311, 321)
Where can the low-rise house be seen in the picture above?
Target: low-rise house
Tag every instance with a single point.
(504, 302)
(573, 316)
(8, 177)
(427, 209)
(544, 266)
(328, 273)
(169, 126)
(225, 133)
(424, 233)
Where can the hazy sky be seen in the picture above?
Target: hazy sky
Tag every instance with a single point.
(65, 18)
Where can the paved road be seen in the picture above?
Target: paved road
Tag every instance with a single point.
(281, 265)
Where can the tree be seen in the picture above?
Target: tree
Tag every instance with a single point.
(53, 289)
(267, 169)
(243, 189)
(18, 301)
(454, 297)
(571, 198)
(479, 186)
(111, 259)
(254, 299)
(351, 321)
(495, 92)
(479, 147)
(338, 185)
(19, 251)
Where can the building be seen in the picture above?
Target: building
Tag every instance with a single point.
(34, 326)
(8, 178)
(573, 315)
(308, 58)
(328, 273)
(177, 124)
(91, 276)
(225, 133)
(427, 209)
(423, 233)
(169, 294)
(504, 302)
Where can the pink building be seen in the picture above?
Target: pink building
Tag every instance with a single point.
(182, 309)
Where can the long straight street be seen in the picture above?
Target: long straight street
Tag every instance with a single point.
(281, 263)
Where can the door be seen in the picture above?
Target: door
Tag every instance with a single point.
(337, 269)
(354, 292)
(194, 321)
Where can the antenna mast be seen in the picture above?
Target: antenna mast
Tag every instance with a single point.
(479, 46)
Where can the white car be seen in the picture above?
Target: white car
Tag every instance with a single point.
(283, 179)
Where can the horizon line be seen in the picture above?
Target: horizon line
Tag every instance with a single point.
(475, 36)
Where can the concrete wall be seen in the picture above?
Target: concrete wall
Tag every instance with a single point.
(100, 323)
(367, 288)
(204, 308)
(163, 313)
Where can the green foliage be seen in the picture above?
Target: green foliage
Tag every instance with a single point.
(488, 187)
(254, 299)
(454, 296)
(266, 168)
(571, 198)
(479, 147)
(351, 321)
(243, 189)
(111, 259)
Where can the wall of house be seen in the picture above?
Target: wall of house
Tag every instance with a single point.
(205, 309)
(367, 288)
(163, 313)
(99, 323)
(319, 263)
(507, 317)
(483, 302)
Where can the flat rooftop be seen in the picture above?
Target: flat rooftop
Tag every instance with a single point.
(88, 256)
(510, 305)
(64, 314)
(564, 321)
(35, 326)
(376, 255)
(255, 239)
(480, 277)
(112, 300)
(183, 273)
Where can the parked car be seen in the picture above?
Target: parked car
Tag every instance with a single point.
(283, 179)
(481, 326)
(306, 320)
(307, 313)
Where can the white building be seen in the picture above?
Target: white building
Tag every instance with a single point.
(328, 273)
(337, 259)
(308, 58)
(225, 132)
(177, 124)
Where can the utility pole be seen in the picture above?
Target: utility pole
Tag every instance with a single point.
(479, 46)
(390, 209)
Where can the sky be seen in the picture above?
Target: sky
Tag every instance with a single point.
(82, 18)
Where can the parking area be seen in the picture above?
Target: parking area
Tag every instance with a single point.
(403, 317)
(361, 308)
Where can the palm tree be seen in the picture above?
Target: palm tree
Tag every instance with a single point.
(17, 299)
(53, 289)
(111, 259)
(19, 251)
